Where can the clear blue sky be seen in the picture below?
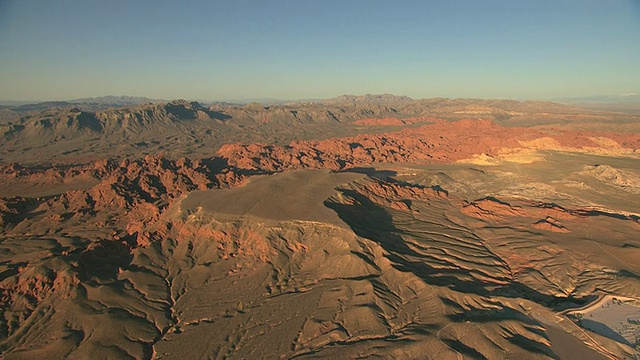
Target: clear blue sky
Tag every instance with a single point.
(298, 49)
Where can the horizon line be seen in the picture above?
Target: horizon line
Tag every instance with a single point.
(249, 100)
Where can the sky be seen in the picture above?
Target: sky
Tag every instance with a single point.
(303, 49)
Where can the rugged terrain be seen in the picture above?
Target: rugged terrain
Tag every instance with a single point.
(373, 226)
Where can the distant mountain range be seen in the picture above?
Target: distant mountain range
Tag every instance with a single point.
(369, 98)
(624, 102)
(116, 100)
(11, 109)
(106, 100)
(602, 99)
(88, 127)
(91, 104)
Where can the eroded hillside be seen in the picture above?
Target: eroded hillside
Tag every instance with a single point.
(414, 236)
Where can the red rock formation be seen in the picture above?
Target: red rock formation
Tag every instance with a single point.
(440, 142)
(550, 224)
(544, 216)
(490, 209)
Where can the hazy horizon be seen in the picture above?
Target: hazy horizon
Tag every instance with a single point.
(299, 50)
(603, 98)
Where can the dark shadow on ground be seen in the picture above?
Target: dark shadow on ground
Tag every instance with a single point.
(604, 330)
(369, 220)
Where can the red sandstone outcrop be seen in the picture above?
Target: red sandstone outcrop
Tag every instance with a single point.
(440, 142)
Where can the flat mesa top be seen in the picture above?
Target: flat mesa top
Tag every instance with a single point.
(294, 195)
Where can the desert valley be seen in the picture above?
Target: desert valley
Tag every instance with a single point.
(372, 226)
